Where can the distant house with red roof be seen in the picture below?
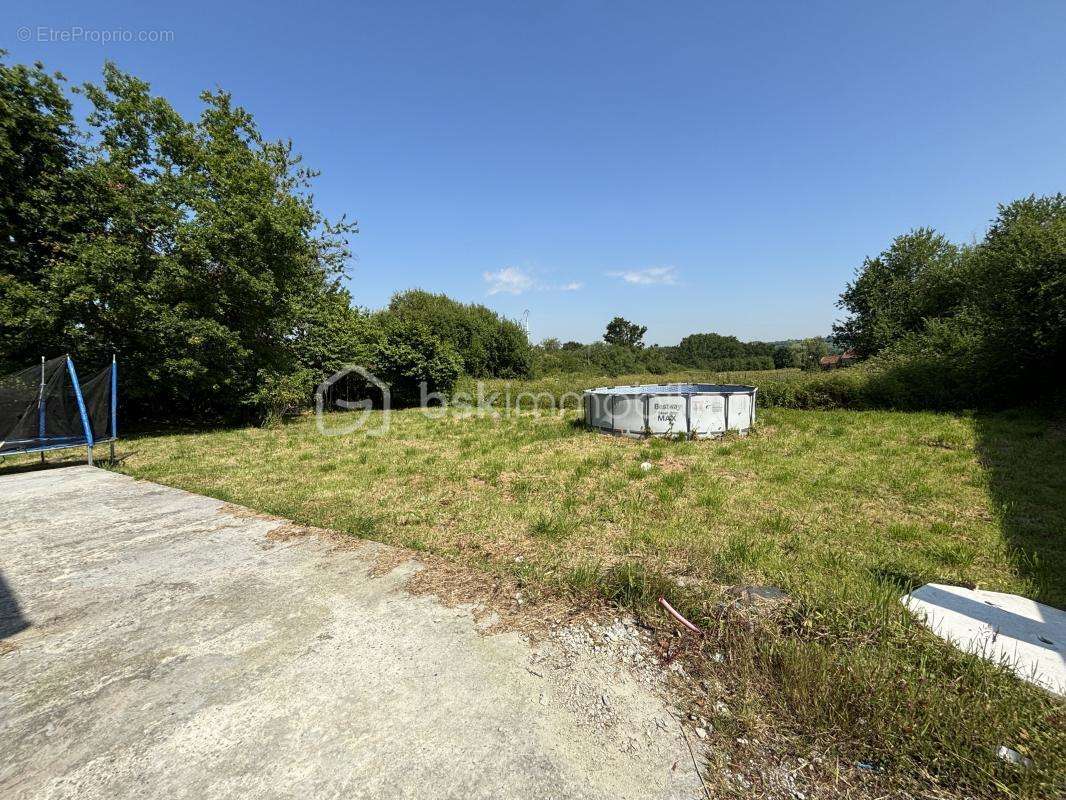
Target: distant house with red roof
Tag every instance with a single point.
(845, 359)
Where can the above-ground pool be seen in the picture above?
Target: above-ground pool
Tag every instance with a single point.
(694, 410)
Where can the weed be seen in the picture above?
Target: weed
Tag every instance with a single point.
(552, 527)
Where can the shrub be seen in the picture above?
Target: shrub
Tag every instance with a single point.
(401, 351)
(278, 396)
(488, 345)
(408, 354)
(600, 358)
(332, 335)
(706, 350)
(935, 368)
(846, 388)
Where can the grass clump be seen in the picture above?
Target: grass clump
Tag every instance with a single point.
(552, 527)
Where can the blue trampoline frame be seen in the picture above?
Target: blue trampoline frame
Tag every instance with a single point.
(45, 442)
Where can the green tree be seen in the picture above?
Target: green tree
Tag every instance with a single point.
(703, 349)
(1017, 302)
(983, 325)
(411, 357)
(202, 252)
(489, 345)
(920, 276)
(786, 356)
(45, 205)
(812, 350)
(624, 333)
(331, 335)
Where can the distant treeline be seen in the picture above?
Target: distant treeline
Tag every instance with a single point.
(701, 351)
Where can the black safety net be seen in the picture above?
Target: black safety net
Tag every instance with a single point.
(97, 394)
(39, 408)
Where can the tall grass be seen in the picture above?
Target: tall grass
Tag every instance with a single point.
(872, 385)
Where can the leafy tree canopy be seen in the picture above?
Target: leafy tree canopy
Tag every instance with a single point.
(977, 325)
(920, 276)
(488, 344)
(190, 248)
(624, 333)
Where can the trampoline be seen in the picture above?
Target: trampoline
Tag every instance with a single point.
(47, 407)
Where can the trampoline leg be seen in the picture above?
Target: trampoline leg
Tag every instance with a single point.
(90, 449)
(112, 451)
(42, 456)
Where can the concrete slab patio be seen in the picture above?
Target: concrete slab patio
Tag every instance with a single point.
(154, 645)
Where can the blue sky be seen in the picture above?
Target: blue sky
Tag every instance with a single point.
(692, 166)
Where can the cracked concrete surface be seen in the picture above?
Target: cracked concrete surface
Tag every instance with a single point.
(170, 649)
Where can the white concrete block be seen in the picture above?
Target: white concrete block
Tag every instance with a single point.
(1023, 635)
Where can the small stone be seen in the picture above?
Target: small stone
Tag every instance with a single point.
(701, 733)
(1013, 757)
(645, 465)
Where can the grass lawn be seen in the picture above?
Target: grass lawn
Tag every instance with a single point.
(843, 510)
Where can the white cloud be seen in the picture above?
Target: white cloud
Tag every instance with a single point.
(509, 280)
(647, 277)
(512, 280)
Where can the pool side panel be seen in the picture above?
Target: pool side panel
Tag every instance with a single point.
(691, 410)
